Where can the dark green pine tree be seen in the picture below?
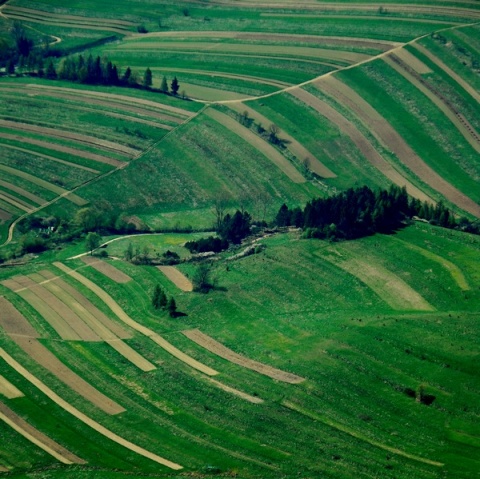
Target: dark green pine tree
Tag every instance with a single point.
(147, 78)
(175, 86)
(51, 73)
(159, 299)
(172, 307)
(164, 85)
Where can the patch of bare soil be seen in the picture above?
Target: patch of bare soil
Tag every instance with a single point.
(13, 322)
(107, 269)
(392, 140)
(236, 392)
(360, 141)
(49, 361)
(412, 61)
(8, 390)
(220, 350)
(4, 215)
(176, 277)
(37, 437)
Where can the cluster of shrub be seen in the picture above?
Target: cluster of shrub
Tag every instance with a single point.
(359, 212)
(160, 301)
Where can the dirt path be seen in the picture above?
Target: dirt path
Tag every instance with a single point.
(259, 144)
(81, 416)
(236, 392)
(36, 437)
(361, 142)
(8, 390)
(177, 278)
(293, 145)
(107, 269)
(220, 350)
(388, 136)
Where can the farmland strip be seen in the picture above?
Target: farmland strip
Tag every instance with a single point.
(220, 350)
(13, 322)
(62, 149)
(107, 269)
(4, 215)
(412, 61)
(389, 137)
(360, 141)
(44, 184)
(82, 417)
(293, 145)
(38, 438)
(176, 277)
(8, 390)
(50, 362)
(129, 353)
(22, 205)
(112, 304)
(23, 192)
(52, 158)
(56, 133)
(236, 392)
(258, 143)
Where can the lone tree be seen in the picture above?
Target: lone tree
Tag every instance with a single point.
(164, 85)
(147, 78)
(172, 307)
(175, 86)
(92, 241)
(202, 282)
(159, 298)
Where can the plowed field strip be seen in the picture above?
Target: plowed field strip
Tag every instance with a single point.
(293, 145)
(412, 61)
(360, 141)
(441, 102)
(387, 285)
(38, 438)
(23, 192)
(76, 137)
(340, 427)
(44, 184)
(220, 350)
(13, 322)
(62, 149)
(8, 390)
(131, 355)
(176, 277)
(465, 85)
(258, 143)
(52, 158)
(236, 392)
(107, 269)
(124, 100)
(392, 140)
(21, 205)
(112, 304)
(82, 417)
(4, 215)
(50, 362)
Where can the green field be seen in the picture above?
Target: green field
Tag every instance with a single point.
(279, 102)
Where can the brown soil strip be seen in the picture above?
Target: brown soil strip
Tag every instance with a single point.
(412, 61)
(466, 86)
(442, 103)
(62, 149)
(131, 355)
(13, 322)
(38, 438)
(21, 205)
(4, 215)
(49, 361)
(44, 184)
(387, 285)
(112, 304)
(258, 143)
(107, 269)
(82, 417)
(8, 390)
(23, 192)
(67, 289)
(220, 350)
(360, 141)
(236, 392)
(392, 140)
(51, 158)
(87, 140)
(176, 277)
(293, 145)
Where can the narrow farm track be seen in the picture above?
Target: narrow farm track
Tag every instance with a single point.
(83, 417)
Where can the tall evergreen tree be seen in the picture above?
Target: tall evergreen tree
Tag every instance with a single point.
(164, 85)
(147, 78)
(175, 86)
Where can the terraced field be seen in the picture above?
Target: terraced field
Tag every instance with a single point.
(308, 358)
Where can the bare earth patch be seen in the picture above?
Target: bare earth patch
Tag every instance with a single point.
(236, 392)
(107, 269)
(13, 322)
(220, 350)
(38, 438)
(360, 141)
(412, 61)
(176, 277)
(4, 215)
(49, 361)
(83, 417)
(392, 140)
(8, 390)
(258, 143)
